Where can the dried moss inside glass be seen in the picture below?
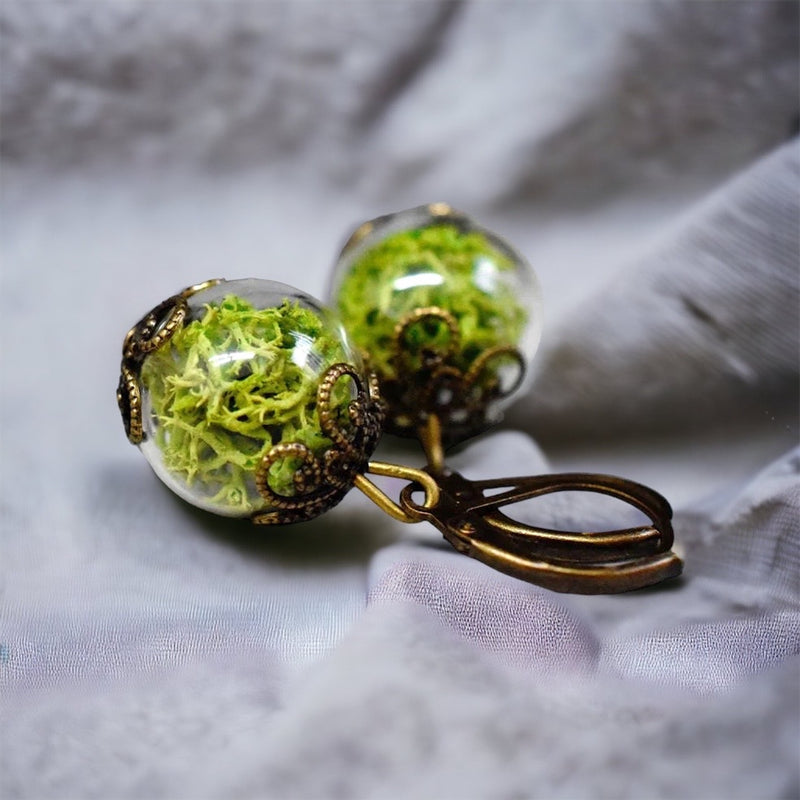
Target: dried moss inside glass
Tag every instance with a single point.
(440, 266)
(446, 314)
(231, 384)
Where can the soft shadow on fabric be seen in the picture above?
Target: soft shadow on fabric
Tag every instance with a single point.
(340, 536)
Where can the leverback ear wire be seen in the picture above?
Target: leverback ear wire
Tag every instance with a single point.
(582, 562)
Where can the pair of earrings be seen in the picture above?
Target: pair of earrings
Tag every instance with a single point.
(250, 399)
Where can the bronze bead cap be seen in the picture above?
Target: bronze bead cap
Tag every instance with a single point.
(251, 399)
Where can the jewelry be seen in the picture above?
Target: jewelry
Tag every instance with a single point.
(248, 399)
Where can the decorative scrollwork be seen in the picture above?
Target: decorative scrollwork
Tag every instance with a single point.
(155, 328)
(429, 382)
(492, 389)
(129, 400)
(321, 482)
(430, 353)
(151, 332)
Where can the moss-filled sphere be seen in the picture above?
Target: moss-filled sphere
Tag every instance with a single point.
(247, 399)
(447, 314)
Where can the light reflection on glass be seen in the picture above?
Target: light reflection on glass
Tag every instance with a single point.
(418, 279)
(226, 358)
(303, 355)
(485, 274)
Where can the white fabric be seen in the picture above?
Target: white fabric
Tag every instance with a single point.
(641, 155)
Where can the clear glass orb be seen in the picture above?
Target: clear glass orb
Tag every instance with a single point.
(233, 417)
(447, 314)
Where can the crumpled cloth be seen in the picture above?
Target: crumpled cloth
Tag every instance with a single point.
(644, 157)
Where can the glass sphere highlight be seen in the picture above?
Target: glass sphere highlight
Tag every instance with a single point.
(248, 400)
(446, 312)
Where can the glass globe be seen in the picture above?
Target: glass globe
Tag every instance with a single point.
(446, 312)
(253, 402)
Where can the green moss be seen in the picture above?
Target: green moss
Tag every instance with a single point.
(377, 292)
(218, 414)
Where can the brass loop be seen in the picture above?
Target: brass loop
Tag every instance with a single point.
(440, 209)
(326, 417)
(129, 354)
(295, 450)
(374, 388)
(419, 478)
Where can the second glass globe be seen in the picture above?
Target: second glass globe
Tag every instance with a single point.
(447, 314)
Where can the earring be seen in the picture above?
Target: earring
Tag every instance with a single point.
(447, 314)
(251, 399)
(247, 400)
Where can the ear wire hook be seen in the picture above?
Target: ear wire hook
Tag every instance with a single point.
(583, 562)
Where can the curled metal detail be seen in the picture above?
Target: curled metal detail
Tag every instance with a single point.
(481, 365)
(321, 482)
(155, 328)
(430, 355)
(129, 400)
(151, 332)
(428, 381)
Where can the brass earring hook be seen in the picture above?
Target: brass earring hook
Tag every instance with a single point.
(582, 562)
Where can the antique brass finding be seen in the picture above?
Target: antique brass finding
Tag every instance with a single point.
(320, 483)
(151, 332)
(428, 384)
(420, 478)
(583, 562)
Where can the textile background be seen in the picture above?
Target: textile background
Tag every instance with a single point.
(644, 157)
